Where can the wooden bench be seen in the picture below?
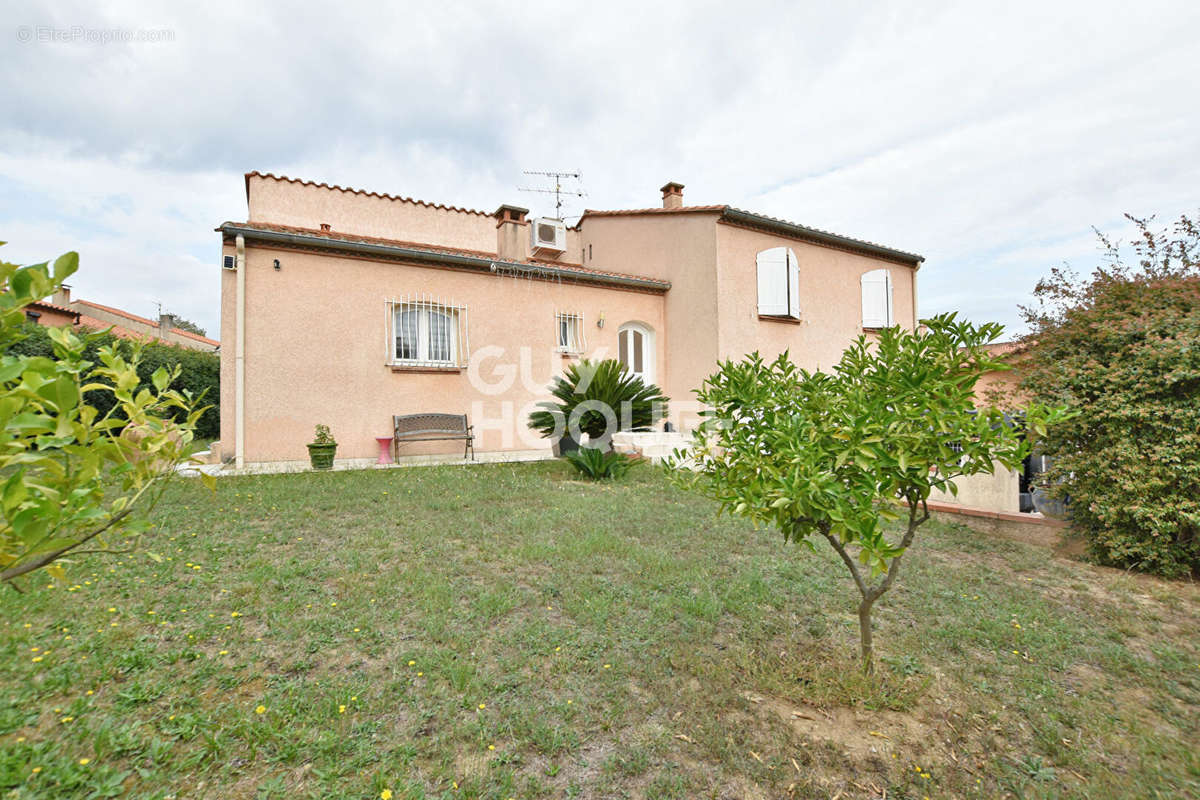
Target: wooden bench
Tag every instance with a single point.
(432, 428)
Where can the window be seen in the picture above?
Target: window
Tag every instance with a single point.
(427, 332)
(635, 350)
(778, 283)
(569, 329)
(877, 299)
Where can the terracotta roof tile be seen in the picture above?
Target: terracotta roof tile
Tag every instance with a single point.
(54, 307)
(627, 212)
(753, 218)
(349, 190)
(335, 236)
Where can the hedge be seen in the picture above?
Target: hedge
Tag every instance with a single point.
(200, 372)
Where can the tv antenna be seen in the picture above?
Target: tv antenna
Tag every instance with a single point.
(558, 191)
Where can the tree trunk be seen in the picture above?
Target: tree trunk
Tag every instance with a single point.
(864, 629)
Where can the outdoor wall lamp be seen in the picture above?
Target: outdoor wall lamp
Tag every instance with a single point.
(277, 265)
(600, 320)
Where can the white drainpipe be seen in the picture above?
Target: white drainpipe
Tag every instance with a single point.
(239, 376)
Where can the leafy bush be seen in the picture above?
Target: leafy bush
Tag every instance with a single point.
(598, 398)
(74, 476)
(598, 464)
(833, 455)
(199, 371)
(1123, 348)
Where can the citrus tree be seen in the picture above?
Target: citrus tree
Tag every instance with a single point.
(842, 456)
(74, 479)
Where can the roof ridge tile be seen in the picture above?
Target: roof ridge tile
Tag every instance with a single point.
(352, 190)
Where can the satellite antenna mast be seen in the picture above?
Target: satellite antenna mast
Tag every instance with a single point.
(558, 191)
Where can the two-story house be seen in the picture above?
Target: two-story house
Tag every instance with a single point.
(344, 307)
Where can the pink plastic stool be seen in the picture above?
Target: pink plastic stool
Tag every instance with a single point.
(385, 449)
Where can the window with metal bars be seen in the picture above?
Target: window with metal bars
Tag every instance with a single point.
(427, 331)
(569, 329)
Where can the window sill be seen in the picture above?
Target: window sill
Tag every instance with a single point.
(569, 353)
(449, 368)
(780, 318)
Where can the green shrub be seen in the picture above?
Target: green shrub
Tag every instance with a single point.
(598, 464)
(1123, 348)
(199, 371)
(75, 478)
(600, 398)
(835, 455)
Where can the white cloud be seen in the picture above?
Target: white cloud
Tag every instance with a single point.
(988, 140)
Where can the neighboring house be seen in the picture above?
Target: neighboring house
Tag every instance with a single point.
(344, 307)
(128, 326)
(51, 315)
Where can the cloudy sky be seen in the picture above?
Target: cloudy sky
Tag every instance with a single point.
(990, 141)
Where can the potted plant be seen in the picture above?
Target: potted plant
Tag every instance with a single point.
(320, 452)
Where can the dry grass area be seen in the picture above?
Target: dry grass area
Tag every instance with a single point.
(509, 632)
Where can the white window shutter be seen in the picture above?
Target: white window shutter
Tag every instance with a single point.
(793, 276)
(876, 299)
(772, 282)
(891, 318)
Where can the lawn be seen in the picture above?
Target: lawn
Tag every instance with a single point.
(510, 632)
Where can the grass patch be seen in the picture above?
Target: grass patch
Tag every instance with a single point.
(508, 631)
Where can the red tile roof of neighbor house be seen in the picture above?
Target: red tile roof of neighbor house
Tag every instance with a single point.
(349, 190)
(333, 237)
(53, 307)
(135, 318)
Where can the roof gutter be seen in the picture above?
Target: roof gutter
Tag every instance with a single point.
(449, 259)
(821, 237)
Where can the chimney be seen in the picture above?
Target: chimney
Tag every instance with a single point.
(62, 297)
(673, 195)
(512, 233)
(165, 323)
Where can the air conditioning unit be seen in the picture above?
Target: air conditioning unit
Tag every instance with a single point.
(547, 233)
(229, 262)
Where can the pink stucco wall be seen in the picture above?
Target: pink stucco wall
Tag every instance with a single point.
(302, 205)
(681, 248)
(316, 328)
(315, 350)
(830, 298)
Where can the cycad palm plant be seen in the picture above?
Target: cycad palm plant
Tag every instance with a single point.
(601, 398)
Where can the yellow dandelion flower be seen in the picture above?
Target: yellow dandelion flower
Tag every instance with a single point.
(341, 709)
(491, 747)
(83, 762)
(67, 719)
(260, 710)
(482, 706)
(608, 666)
(386, 794)
(419, 674)
(36, 770)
